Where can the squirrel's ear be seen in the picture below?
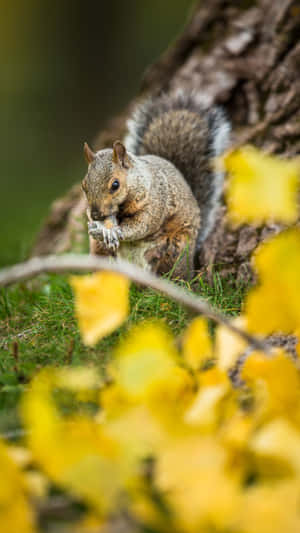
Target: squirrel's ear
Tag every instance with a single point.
(88, 153)
(120, 156)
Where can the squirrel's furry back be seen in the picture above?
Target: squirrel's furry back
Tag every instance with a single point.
(180, 129)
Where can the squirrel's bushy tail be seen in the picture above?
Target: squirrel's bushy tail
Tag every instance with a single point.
(180, 129)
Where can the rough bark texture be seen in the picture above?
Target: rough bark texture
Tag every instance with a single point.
(243, 55)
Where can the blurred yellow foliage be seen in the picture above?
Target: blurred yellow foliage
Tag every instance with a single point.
(261, 187)
(16, 513)
(276, 383)
(228, 345)
(274, 305)
(197, 344)
(203, 444)
(146, 359)
(74, 451)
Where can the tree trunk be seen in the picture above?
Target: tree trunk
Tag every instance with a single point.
(243, 55)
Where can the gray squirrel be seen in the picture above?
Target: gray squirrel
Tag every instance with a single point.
(153, 198)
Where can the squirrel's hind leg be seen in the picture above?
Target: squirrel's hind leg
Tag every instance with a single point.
(98, 248)
(174, 256)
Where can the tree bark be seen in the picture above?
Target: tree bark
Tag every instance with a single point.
(242, 55)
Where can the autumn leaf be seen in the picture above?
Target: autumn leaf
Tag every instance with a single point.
(270, 508)
(101, 304)
(145, 359)
(15, 511)
(192, 475)
(237, 430)
(228, 345)
(145, 368)
(261, 187)
(274, 305)
(206, 407)
(197, 345)
(136, 430)
(75, 452)
(276, 384)
(278, 440)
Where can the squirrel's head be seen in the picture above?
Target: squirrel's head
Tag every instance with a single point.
(105, 183)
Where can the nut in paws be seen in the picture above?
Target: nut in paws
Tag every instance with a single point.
(110, 237)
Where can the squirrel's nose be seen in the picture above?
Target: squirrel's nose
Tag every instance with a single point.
(95, 214)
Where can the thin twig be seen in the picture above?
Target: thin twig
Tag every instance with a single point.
(15, 354)
(70, 351)
(87, 263)
(5, 343)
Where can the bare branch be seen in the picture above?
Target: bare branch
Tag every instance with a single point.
(88, 263)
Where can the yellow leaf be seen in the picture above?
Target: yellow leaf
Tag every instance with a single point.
(114, 400)
(237, 430)
(274, 305)
(101, 304)
(145, 371)
(75, 452)
(278, 440)
(197, 345)
(168, 400)
(270, 509)
(77, 378)
(20, 455)
(276, 382)
(228, 345)
(206, 407)
(136, 430)
(213, 377)
(144, 360)
(192, 475)
(37, 484)
(261, 187)
(15, 512)
(146, 511)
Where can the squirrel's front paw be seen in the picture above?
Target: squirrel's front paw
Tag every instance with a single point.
(96, 230)
(109, 236)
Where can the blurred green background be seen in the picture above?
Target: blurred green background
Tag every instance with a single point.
(66, 67)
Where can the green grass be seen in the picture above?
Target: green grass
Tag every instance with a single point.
(38, 328)
(38, 316)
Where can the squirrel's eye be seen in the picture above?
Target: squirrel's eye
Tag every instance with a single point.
(115, 185)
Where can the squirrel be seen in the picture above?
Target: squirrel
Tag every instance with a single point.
(153, 198)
